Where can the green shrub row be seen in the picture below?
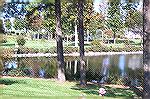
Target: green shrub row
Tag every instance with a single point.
(113, 49)
(23, 50)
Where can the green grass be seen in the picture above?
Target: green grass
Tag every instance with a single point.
(45, 44)
(24, 88)
(42, 44)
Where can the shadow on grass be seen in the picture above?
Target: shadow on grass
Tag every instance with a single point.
(92, 89)
(10, 81)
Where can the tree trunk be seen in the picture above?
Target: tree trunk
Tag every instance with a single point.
(81, 43)
(146, 31)
(60, 57)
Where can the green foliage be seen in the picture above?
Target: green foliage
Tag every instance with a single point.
(50, 69)
(21, 40)
(69, 12)
(68, 50)
(7, 52)
(128, 48)
(20, 24)
(16, 73)
(8, 24)
(134, 19)
(97, 43)
(25, 86)
(25, 50)
(114, 20)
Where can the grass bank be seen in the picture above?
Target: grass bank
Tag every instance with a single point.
(24, 88)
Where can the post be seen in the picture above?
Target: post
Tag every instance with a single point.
(88, 35)
(76, 36)
(75, 66)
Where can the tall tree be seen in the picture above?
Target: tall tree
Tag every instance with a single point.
(60, 57)
(114, 21)
(146, 30)
(81, 43)
(133, 16)
(48, 7)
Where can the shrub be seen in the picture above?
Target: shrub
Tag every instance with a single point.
(21, 41)
(16, 72)
(53, 50)
(70, 49)
(97, 43)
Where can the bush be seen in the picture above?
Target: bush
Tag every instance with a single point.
(113, 49)
(21, 41)
(15, 72)
(68, 50)
(52, 50)
(97, 43)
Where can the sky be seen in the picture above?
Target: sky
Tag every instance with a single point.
(103, 4)
(98, 3)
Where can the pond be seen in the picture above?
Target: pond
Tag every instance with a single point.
(116, 69)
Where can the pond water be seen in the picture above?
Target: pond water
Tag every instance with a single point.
(105, 68)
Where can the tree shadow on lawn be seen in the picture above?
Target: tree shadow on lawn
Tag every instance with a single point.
(11, 81)
(92, 89)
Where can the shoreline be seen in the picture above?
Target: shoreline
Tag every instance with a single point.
(74, 54)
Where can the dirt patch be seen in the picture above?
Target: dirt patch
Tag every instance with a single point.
(2, 85)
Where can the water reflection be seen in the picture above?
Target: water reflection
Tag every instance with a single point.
(134, 62)
(135, 65)
(105, 68)
(9, 65)
(42, 73)
(98, 68)
(122, 65)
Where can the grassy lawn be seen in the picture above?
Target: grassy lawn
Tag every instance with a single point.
(45, 44)
(24, 88)
(40, 44)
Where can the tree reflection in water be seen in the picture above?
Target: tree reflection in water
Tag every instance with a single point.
(103, 69)
(135, 65)
(122, 65)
